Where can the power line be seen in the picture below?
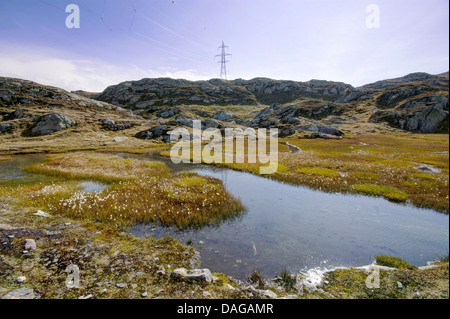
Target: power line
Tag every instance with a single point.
(223, 61)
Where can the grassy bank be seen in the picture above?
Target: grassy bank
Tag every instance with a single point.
(404, 168)
(138, 192)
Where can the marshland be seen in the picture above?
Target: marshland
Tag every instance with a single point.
(88, 183)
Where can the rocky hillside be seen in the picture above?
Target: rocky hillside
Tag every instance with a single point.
(153, 93)
(151, 108)
(416, 102)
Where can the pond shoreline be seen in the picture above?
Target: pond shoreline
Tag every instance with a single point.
(320, 288)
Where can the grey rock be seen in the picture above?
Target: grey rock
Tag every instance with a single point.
(268, 294)
(42, 214)
(330, 130)
(155, 132)
(113, 126)
(30, 244)
(350, 97)
(22, 293)
(21, 279)
(5, 98)
(197, 275)
(121, 285)
(107, 122)
(51, 123)
(289, 297)
(168, 113)
(429, 120)
(210, 123)
(222, 116)
(5, 128)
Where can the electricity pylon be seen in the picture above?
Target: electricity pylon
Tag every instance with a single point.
(223, 61)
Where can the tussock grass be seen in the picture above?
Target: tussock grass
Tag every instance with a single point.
(139, 192)
(100, 167)
(365, 176)
(394, 262)
(318, 171)
(388, 192)
(4, 158)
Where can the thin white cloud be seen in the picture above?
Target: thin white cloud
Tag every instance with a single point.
(77, 74)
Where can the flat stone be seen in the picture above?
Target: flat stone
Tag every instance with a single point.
(268, 294)
(199, 275)
(42, 214)
(22, 293)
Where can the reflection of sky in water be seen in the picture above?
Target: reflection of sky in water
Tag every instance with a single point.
(91, 187)
(293, 227)
(298, 228)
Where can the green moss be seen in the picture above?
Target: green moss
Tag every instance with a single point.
(223, 280)
(394, 163)
(318, 171)
(424, 176)
(387, 192)
(393, 262)
(191, 181)
(365, 175)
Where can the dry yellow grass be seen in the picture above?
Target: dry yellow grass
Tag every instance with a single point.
(138, 192)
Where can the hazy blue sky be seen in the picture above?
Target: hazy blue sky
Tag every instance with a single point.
(300, 40)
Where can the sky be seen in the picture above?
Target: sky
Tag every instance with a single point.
(121, 40)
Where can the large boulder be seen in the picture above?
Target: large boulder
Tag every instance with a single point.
(51, 123)
(222, 116)
(154, 132)
(430, 120)
(425, 120)
(113, 126)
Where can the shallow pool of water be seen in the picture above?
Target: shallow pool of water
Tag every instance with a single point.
(290, 227)
(296, 228)
(92, 187)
